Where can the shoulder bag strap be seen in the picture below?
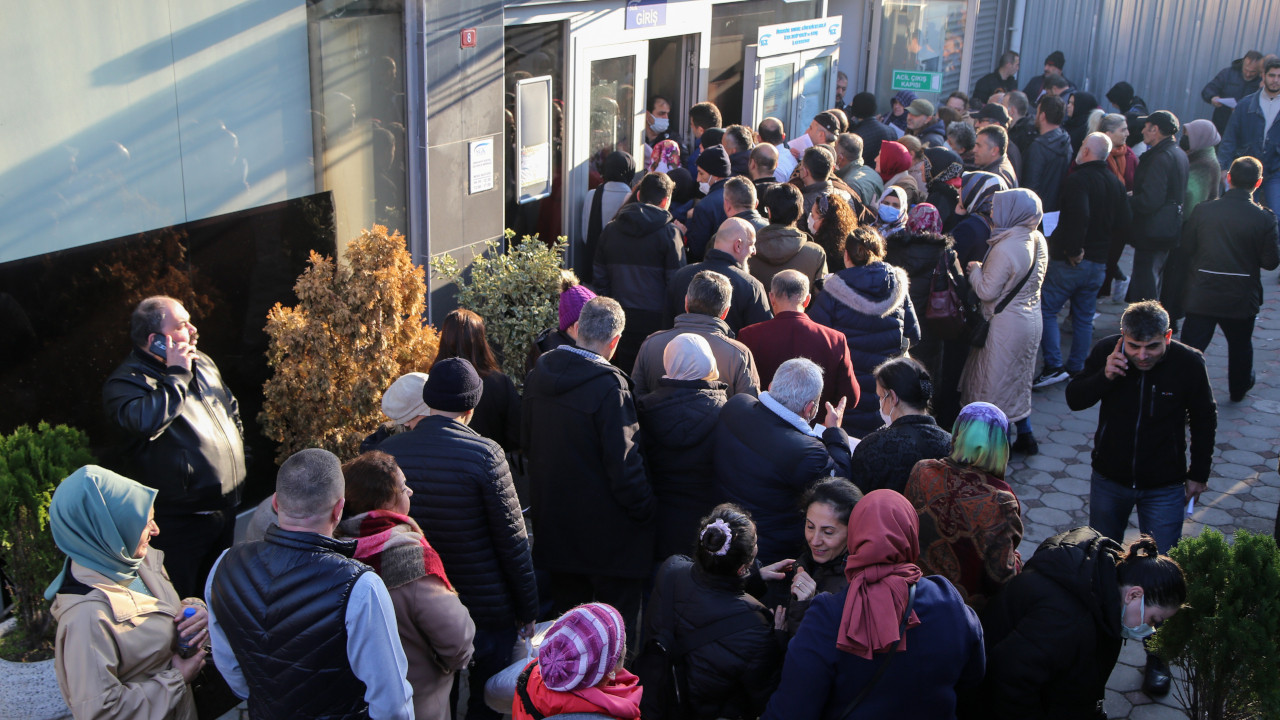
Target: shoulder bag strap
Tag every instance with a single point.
(1035, 260)
(902, 634)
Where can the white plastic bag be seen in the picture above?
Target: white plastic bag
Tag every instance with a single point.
(500, 690)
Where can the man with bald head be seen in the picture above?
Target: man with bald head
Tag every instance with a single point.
(1094, 208)
(735, 241)
(763, 163)
(771, 131)
(298, 627)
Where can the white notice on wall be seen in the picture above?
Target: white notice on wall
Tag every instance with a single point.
(481, 165)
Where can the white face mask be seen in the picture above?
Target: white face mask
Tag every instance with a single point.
(660, 124)
(705, 188)
(1143, 630)
(885, 419)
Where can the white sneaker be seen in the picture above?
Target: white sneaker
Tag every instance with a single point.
(1050, 377)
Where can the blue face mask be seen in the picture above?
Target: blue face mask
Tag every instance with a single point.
(1141, 632)
(660, 124)
(890, 214)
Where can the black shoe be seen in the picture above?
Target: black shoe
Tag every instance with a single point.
(1238, 396)
(1157, 680)
(1025, 444)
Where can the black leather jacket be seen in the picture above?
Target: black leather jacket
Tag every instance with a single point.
(181, 432)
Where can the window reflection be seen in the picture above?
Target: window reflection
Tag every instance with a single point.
(612, 106)
(534, 51)
(921, 35)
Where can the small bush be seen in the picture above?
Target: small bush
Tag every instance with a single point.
(354, 330)
(1228, 635)
(32, 463)
(514, 291)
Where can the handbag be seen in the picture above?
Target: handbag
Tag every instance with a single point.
(884, 664)
(945, 311)
(983, 327)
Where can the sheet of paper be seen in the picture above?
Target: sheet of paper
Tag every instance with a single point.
(1050, 222)
(1229, 102)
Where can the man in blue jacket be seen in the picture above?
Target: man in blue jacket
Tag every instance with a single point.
(713, 170)
(1254, 132)
(1233, 83)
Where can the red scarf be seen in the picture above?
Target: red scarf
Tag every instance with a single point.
(1117, 161)
(880, 569)
(394, 546)
(618, 697)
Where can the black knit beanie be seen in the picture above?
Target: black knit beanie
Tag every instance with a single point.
(452, 386)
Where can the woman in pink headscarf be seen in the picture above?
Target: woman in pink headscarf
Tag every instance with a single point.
(843, 662)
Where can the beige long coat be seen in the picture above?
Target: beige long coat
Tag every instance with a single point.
(114, 648)
(1001, 372)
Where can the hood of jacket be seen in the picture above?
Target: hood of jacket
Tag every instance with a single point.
(937, 128)
(878, 289)
(562, 371)
(1057, 141)
(1083, 563)
(640, 219)
(682, 413)
(777, 244)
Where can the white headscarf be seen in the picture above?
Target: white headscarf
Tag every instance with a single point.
(688, 357)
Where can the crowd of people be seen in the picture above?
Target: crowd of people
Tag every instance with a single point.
(660, 487)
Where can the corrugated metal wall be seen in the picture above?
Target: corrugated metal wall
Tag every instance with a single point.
(990, 37)
(1167, 49)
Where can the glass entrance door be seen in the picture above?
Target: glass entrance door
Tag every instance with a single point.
(792, 87)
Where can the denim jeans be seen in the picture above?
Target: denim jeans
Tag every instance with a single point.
(1160, 510)
(1078, 285)
(1269, 193)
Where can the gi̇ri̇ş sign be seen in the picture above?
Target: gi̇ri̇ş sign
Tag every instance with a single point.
(646, 14)
(790, 37)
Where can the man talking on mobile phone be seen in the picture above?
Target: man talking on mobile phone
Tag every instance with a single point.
(180, 433)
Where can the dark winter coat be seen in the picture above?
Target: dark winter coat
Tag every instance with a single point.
(812, 191)
(794, 334)
(1053, 632)
(1159, 189)
(1044, 165)
(828, 577)
(677, 423)
(884, 458)
(749, 303)
(1021, 134)
(873, 132)
(1141, 440)
(1004, 168)
(465, 502)
(1244, 136)
(764, 463)
(870, 304)
(917, 255)
(971, 235)
(1095, 208)
(1227, 242)
(706, 219)
(934, 134)
(582, 438)
(865, 181)
(734, 362)
(1228, 83)
(787, 247)
(497, 417)
(734, 676)
(990, 84)
(941, 655)
(1035, 88)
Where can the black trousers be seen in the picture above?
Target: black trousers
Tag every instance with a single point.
(569, 590)
(1197, 331)
(191, 544)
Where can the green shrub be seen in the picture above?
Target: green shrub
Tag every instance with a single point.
(355, 329)
(1228, 635)
(32, 463)
(514, 291)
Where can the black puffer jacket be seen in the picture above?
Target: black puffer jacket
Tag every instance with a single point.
(466, 504)
(917, 254)
(734, 676)
(1053, 634)
(677, 422)
(1227, 241)
(181, 432)
(884, 458)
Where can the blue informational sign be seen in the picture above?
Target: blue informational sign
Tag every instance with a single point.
(790, 37)
(646, 14)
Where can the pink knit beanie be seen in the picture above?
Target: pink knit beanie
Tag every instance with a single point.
(571, 302)
(582, 647)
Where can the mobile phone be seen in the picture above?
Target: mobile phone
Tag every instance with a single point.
(159, 344)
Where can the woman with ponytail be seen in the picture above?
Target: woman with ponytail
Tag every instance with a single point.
(970, 521)
(731, 669)
(893, 644)
(1053, 634)
(885, 457)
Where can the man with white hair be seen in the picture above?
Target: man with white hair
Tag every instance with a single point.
(767, 454)
(297, 626)
(735, 241)
(1094, 208)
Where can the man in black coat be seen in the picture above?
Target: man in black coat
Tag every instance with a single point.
(640, 252)
(1003, 79)
(1233, 83)
(1159, 188)
(1053, 66)
(464, 499)
(864, 123)
(1094, 208)
(1045, 163)
(593, 506)
(735, 241)
(767, 455)
(1228, 241)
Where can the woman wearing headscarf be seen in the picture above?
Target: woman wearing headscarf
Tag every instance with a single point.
(685, 195)
(917, 251)
(435, 629)
(665, 157)
(677, 419)
(893, 162)
(579, 669)
(1199, 141)
(1080, 109)
(602, 203)
(944, 181)
(971, 233)
(970, 520)
(897, 115)
(1000, 372)
(119, 618)
(892, 211)
(889, 609)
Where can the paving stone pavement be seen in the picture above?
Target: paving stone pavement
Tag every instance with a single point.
(1244, 488)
